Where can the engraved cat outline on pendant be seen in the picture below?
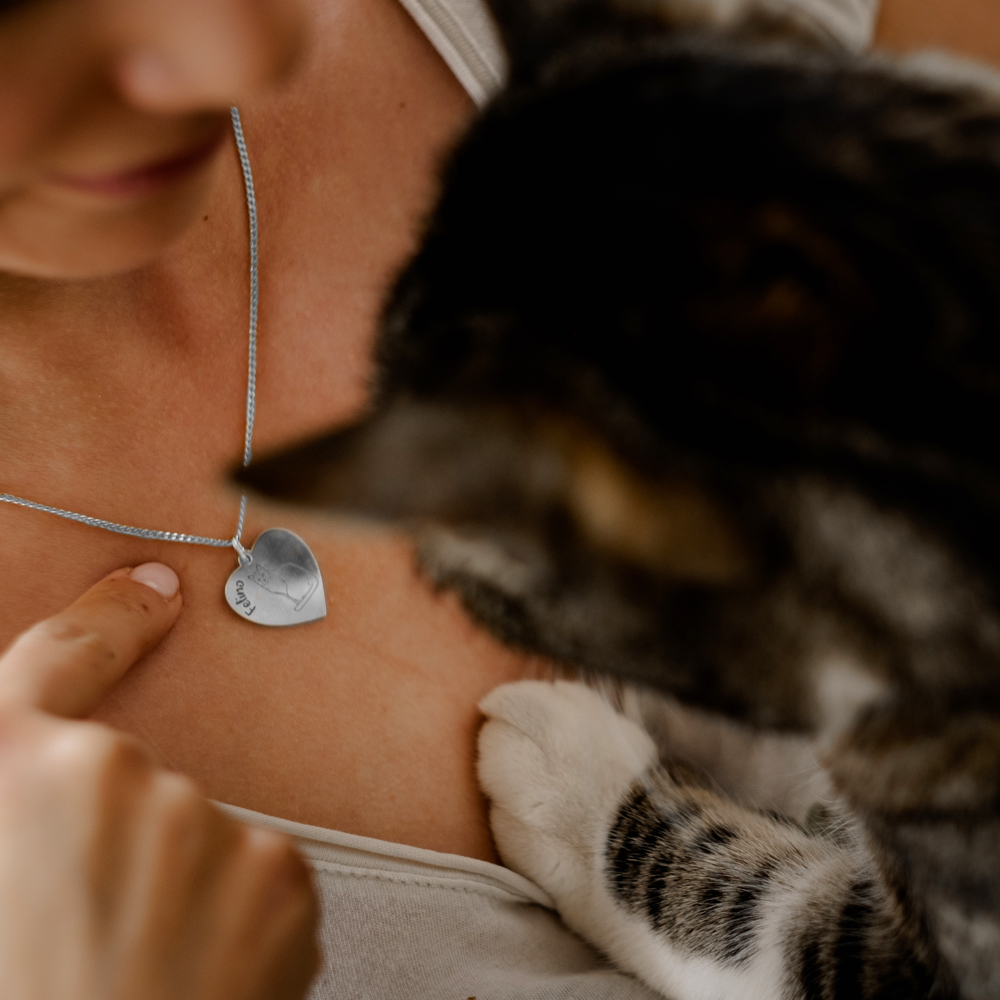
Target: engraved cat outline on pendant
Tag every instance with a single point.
(280, 584)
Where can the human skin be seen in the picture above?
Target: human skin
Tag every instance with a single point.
(118, 880)
(123, 396)
(966, 27)
(95, 87)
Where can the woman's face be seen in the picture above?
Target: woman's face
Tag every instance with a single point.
(113, 115)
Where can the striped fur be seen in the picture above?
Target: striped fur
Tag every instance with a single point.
(695, 381)
(703, 898)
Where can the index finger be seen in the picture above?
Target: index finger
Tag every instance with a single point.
(67, 664)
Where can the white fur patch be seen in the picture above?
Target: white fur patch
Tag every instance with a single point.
(558, 762)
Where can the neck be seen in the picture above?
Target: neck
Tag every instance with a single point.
(124, 399)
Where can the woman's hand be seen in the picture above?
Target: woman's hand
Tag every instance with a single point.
(119, 880)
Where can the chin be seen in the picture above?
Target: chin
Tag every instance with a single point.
(59, 236)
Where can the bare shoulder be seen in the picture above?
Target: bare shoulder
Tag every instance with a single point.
(966, 27)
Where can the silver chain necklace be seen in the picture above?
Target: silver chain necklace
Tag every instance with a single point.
(277, 581)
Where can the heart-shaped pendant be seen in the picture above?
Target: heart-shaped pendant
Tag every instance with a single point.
(279, 584)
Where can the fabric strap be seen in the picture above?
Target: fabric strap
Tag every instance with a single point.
(465, 36)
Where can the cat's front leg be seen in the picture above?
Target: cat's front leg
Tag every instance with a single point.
(700, 897)
(556, 773)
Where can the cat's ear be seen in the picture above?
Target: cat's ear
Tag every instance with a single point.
(534, 32)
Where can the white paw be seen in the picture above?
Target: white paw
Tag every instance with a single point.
(556, 761)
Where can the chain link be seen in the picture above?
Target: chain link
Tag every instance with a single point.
(251, 409)
(241, 146)
(118, 529)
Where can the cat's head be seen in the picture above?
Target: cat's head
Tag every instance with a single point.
(684, 280)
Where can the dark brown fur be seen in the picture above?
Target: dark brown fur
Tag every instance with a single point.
(696, 380)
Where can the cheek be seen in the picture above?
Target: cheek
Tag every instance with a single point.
(45, 67)
(43, 235)
(19, 135)
(62, 113)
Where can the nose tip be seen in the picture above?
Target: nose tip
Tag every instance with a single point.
(193, 54)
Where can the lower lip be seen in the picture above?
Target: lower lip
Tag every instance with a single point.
(144, 180)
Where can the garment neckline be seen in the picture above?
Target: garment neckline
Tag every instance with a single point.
(465, 37)
(325, 846)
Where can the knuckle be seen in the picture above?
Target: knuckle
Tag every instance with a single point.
(175, 830)
(52, 656)
(77, 630)
(60, 629)
(123, 756)
(267, 849)
(70, 634)
(276, 863)
(68, 759)
(90, 760)
(89, 752)
(178, 798)
(80, 749)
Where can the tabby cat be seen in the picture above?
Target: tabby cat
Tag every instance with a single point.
(695, 381)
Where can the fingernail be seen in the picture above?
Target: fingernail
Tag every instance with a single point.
(161, 578)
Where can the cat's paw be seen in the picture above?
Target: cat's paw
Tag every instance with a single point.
(556, 762)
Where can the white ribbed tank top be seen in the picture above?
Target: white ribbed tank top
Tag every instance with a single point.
(464, 34)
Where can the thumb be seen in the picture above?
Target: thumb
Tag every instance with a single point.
(67, 664)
